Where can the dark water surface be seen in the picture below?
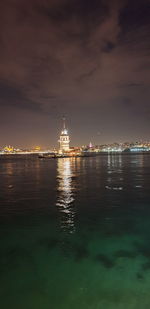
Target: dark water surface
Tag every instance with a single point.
(75, 233)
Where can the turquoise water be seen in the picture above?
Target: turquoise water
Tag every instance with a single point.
(75, 233)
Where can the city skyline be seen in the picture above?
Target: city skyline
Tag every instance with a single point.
(65, 131)
(61, 144)
(63, 141)
(88, 60)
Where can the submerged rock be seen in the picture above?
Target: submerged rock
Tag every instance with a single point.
(105, 261)
(81, 252)
(139, 276)
(126, 254)
(146, 266)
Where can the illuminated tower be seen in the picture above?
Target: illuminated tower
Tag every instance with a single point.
(64, 139)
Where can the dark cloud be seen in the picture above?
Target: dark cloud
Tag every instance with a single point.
(83, 58)
(89, 12)
(135, 15)
(108, 47)
(11, 96)
(14, 97)
(131, 85)
(87, 75)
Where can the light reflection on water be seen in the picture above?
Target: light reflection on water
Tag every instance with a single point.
(66, 197)
(101, 257)
(114, 169)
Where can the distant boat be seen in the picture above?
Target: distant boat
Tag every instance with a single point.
(54, 156)
(47, 156)
(83, 154)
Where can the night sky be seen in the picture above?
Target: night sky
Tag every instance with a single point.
(86, 59)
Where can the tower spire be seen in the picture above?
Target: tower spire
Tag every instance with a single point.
(64, 123)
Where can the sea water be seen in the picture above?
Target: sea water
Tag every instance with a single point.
(75, 232)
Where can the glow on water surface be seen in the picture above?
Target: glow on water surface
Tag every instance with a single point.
(75, 232)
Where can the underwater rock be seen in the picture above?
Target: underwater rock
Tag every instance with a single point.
(105, 261)
(139, 276)
(126, 254)
(15, 257)
(80, 252)
(146, 266)
(75, 250)
(143, 249)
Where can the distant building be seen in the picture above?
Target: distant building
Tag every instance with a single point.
(8, 149)
(64, 139)
(37, 149)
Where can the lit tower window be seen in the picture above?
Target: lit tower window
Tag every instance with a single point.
(64, 139)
